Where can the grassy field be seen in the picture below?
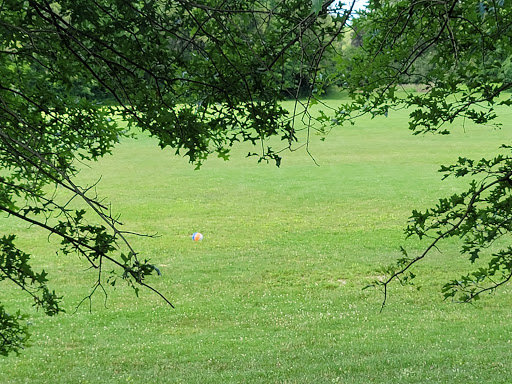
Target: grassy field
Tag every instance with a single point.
(273, 294)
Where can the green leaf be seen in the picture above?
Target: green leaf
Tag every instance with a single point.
(316, 6)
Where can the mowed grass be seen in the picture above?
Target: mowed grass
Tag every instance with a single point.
(273, 294)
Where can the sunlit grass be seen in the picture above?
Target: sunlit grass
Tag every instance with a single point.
(274, 291)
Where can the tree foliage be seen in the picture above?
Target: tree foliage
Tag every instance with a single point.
(199, 77)
(202, 76)
(461, 52)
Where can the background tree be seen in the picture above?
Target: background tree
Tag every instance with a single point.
(460, 51)
(197, 76)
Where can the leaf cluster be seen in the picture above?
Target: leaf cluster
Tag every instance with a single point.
(458, 55)
(456, 52)
(14, 332)
(480, 217)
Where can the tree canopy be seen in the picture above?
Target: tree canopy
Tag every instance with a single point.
(197, 76)
(202, 76)
(460, 52)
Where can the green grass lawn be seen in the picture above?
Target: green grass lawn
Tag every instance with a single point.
(273, 294)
